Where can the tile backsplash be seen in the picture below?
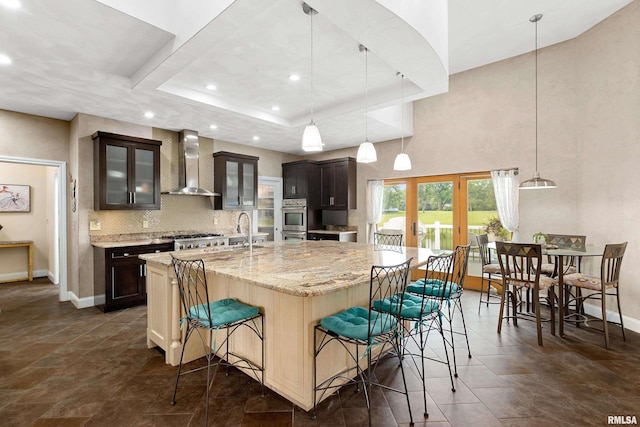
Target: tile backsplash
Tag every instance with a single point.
(177, 214)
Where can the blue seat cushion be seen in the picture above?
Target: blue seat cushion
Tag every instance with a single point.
(413, 306)
(354, 323)
(432, 288)
(222, 312)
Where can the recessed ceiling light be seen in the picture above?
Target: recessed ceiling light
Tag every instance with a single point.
(11, 4)
(148, 114)
(4, 59)
(256, 138)
(275, 108)
(213, 127)
(294, 77)
(211, 87)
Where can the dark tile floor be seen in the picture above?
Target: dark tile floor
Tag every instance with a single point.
(60, 366)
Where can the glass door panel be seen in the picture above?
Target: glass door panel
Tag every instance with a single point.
(266, 204)
(434, 227)
(144, 176)
(117, 183)
(394, 209)
(481, 207)
(248, 178)
(233, 183)
(268, 216)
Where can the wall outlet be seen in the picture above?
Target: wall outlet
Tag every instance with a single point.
(145, 224)
(215, 221)
(95, 225)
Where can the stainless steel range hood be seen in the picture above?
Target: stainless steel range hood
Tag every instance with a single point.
(188, 166)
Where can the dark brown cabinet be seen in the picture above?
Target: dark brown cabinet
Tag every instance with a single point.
(126, 172)
(301, 180)
(236, 179)
(122, 276)
(338, 184)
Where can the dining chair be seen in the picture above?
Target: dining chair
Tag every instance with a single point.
(563, 241)
(384, 239)
(490, 273)
(520, 270)
(214, 322)
(364, 332)
(420, 313)
(608, 283)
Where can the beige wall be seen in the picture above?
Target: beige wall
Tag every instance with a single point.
(33, 137)
(23, 135)
(30, 225)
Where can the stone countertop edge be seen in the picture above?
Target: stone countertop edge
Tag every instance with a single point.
(229, 263)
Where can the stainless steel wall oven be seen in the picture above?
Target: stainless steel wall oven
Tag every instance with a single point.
(294, 215)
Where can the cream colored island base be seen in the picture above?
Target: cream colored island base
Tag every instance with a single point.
(293, 292)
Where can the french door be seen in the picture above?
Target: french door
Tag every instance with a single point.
(440, 212)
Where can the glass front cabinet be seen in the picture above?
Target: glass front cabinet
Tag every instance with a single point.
(236, 179)
(126, 172)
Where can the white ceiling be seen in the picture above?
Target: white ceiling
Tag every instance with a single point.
(118, 59)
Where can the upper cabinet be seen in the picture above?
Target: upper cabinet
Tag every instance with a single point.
(126, 172)
(236, 179)
(338, 184)
(300, 180)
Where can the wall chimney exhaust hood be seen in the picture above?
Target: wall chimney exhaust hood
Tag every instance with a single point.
(188, 166)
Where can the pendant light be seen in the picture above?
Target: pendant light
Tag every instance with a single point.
(537, 182)
(366, 150)
(402, 162)
(311, 140)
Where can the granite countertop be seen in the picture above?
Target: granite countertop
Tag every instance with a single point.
(332, 232)
(123, 243)
(302, 268)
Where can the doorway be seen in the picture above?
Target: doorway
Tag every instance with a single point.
(269, 212)
(59, 189)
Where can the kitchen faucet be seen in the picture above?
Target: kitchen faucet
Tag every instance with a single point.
(239, 229)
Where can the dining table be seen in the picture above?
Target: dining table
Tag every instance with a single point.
(561, 255)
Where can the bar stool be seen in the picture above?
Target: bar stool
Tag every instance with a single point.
(370, 332)
(208, 319)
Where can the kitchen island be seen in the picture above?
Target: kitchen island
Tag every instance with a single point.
(295, 284)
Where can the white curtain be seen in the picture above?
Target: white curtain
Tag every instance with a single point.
(375, 190)
(505, 187)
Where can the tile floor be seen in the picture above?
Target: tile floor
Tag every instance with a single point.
(60, 366)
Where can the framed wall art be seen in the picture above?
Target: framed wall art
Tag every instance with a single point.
(15, 198)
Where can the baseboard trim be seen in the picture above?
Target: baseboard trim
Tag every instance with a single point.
(22, 275)
(630, 323)
(86, 301)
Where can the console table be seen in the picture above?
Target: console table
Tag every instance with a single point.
(21, 243)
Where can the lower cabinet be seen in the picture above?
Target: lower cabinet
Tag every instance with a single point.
(121, 275)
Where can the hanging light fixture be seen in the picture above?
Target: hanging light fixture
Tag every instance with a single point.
(366, 150)
(311, 140)
(402, 162)
(537, 182)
